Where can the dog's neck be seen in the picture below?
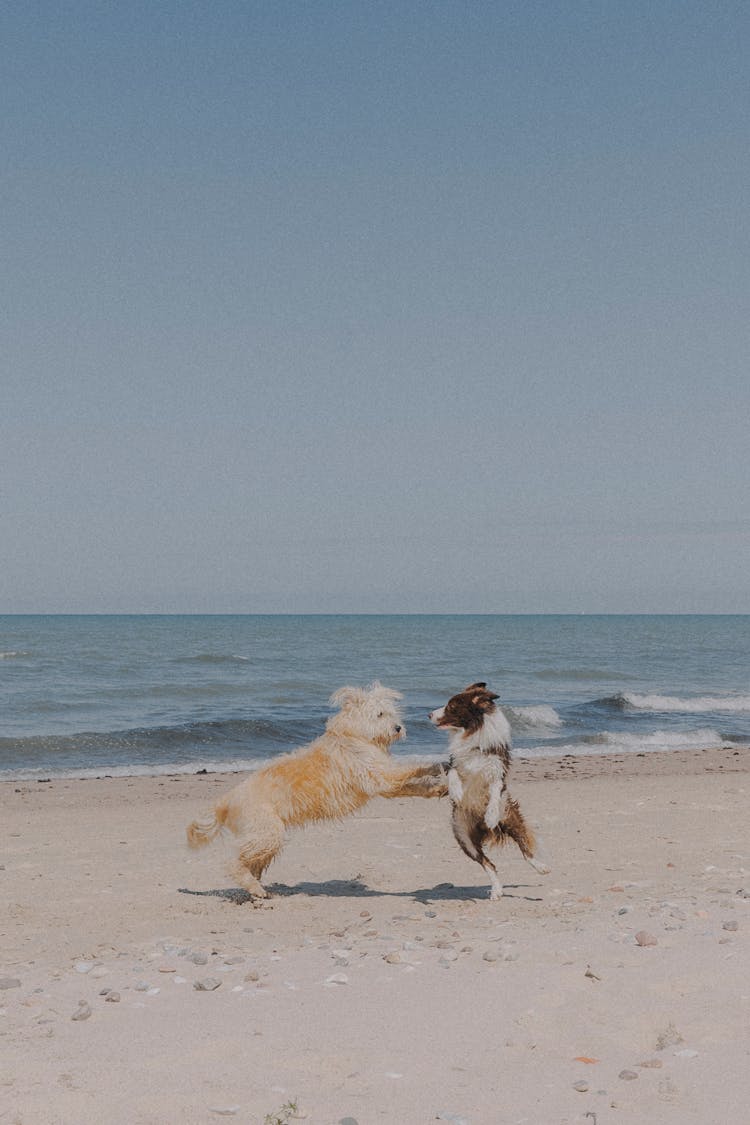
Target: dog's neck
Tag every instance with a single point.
(492, 736)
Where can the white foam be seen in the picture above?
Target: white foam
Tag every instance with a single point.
(694, 706)
(170, 769)
(540, 717)
(616, 742)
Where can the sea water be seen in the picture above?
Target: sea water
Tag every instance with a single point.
(95, 695)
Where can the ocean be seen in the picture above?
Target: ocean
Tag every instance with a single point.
(84, 696)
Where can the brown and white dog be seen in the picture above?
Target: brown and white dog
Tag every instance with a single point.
(484, 812)
(334, 776)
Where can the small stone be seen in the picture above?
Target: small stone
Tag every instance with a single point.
(235, 961)
(743, 892)
(337, 978)
(208, 984)
(112, 998)
(627, 1075)
(225, 1111)
(581, 1086)
(82, 1012)
(687, 1053)
(84, 966)
(141, 986)
(430, 914)
(643, 937)
(9, 982)
(365, 914)
(668, 1038)
(198, 958)
(490, 955)
(651, 1064)
(731, 926)
(392, 958)
(252, 975)
(166, 969)
(449, 955)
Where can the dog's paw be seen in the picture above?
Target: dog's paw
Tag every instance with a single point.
(496, 893)
(539, 866)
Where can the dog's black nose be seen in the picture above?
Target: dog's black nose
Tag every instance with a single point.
(398, 730)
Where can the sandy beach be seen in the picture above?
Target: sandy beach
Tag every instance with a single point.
(379, 984)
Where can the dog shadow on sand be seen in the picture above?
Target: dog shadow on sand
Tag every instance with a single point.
(355, 888)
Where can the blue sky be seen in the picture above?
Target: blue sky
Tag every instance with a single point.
(375, 307)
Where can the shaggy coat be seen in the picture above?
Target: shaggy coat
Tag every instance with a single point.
(334, 776)
(483, 811)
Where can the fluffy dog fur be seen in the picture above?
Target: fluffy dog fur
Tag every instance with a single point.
(483, 811)
(334, 776)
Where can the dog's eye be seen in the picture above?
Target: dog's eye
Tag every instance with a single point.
(380, 714)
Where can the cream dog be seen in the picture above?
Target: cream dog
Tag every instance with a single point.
(334, 776)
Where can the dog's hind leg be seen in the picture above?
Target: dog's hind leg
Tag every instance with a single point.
(258, 847)
(515, 826)
(469, 838)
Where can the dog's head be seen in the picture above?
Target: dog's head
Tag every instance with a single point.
(371, 713)
(466, 711)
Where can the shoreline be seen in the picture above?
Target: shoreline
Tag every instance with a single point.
(379, 984)
(729, 757)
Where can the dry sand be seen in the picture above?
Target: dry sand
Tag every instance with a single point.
(380, 985)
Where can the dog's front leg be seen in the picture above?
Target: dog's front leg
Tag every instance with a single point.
(492, 812)
(419, 781)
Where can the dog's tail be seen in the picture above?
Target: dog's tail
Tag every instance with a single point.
(202, 832)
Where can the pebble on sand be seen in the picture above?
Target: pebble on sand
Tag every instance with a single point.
(731, 926)
(392, 958)
(581, 1086)
(82, 1012)
(643, 937)
(337, 978)
(208, 984)
(627, 1075)
(112, 998)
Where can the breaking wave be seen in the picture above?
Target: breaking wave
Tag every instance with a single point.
(697, 705)
(616, 742)
(536, 718)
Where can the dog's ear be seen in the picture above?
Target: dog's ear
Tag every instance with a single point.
(473, 687)
(482, 697)
(347, 697)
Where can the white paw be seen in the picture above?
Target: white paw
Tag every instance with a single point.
(496, 893)
(539, 866)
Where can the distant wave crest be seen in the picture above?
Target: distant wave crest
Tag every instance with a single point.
(213, 658)
(697, 705)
